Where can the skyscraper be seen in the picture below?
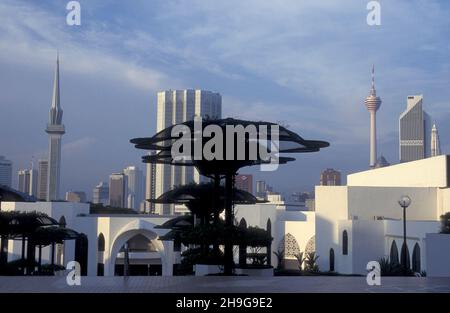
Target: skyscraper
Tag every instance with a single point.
(177, 106)
(435, 144)
(42, 179)
(27, 181)
(135, 187)
(261, 189)
(244, 182)
(118, 190)
(75, 196)
(5, 171)
(330, 177)
(150, 179)
(414, 131)
(100, 194)
(55, 129)
(373, 104)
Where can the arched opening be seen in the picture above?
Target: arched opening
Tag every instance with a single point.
(138, 256)
(60, 246)
(393, 256)
(100, 255)
(331, 260)
(345, 243)
(405, 259)
(311, 245)
(289, 249)
(242, 248)
(81, 252)
(416, 258)
(290, 246)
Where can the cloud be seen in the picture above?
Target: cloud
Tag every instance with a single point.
(31, 36)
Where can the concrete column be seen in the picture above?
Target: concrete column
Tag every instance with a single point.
(168, 258)
(373, 139)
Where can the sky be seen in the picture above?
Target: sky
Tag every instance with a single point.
(305, 64)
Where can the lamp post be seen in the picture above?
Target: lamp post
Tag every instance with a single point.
(404, 202)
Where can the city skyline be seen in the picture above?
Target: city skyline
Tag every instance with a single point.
(211, 148)
(120, 86)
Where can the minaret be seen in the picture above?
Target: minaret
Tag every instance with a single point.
(435, 144)
(373, 104)
(55, 129)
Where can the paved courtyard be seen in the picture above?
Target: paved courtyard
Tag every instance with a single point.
(186, 284)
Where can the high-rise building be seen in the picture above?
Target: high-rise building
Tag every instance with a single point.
(435, 144)
(100, 194)
(76, 196)
(177, 106)
(414, 131)
(5, 171)
(373, 103)
(27, 181)
(55, 129)
(150, 178)
(42, 179)
(244, 182)
(261, 189)
(118, 190)
(135, 187)
(330, 177)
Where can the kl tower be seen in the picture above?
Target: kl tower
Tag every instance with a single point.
(373, 104)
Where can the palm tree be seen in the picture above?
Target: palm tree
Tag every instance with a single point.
(311, 262)
(300, 260)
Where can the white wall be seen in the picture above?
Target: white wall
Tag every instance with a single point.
(443, 201)
(366, 244)
(429, 172)
(416, 232)
(331, 207)
(368, 202)
(303, 230)
(438, 255)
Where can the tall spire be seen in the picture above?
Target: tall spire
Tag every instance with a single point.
(55, 110)
(373, 104)
(55, 129)
(435, 144)
(373, 91)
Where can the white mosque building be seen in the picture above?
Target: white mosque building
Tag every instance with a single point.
(351, 225)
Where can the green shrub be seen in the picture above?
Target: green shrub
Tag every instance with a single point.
(311, 262)
(389, 268)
